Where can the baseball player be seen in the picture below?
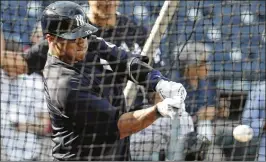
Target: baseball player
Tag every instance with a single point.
(85, 99)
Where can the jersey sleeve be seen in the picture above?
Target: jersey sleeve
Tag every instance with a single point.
(36, 57)
(108, 51)
(125, 63)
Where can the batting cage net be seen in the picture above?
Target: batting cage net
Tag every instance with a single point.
(90, 111)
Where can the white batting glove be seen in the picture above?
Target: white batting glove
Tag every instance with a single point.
(171, 107)
(169, 89)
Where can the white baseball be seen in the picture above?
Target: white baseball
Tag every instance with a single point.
(243, 133)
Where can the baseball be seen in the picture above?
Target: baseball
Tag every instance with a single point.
(243, 133)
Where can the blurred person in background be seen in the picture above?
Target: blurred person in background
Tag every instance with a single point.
(13, 63)
(201, 92)
(193, 72)
(24, 114)
(11, 60)
(164, 139)
(36, 34)
(24, 117)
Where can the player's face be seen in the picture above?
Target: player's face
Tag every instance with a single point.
(72, 50)
(103, 8)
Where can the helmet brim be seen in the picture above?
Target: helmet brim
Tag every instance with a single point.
(80, 32)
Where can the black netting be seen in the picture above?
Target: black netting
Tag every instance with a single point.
(216, 49)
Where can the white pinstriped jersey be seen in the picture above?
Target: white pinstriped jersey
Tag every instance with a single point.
(21, 100)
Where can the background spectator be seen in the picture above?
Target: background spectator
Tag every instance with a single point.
(193, 74)
(24, 117)
(36, 34)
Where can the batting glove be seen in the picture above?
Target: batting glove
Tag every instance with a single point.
(171, 107)
(169, 89)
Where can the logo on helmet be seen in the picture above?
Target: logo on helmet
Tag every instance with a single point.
(80, 20)
(88, 32)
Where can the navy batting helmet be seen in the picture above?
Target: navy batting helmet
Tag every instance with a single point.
(67, 20)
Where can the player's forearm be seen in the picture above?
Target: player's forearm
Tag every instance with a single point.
(135, 121)
(134, 66)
